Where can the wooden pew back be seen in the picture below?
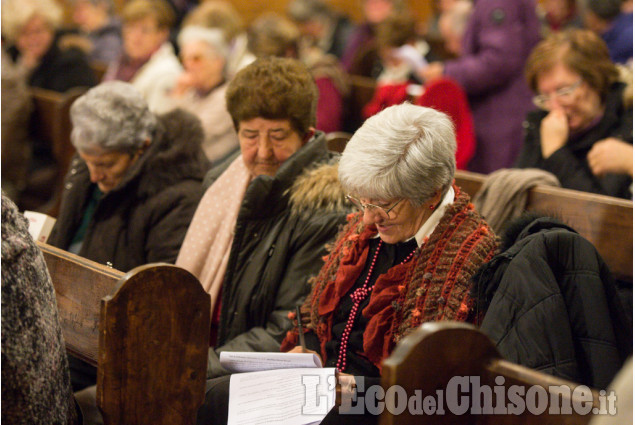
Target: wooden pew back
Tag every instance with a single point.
(432, 355)
(52, 117)
(605, 221)
(80, 285)
(149, 342)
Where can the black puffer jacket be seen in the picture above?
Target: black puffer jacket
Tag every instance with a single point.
(282, 228)
(569, 163)
(145, 218)
(552, 305)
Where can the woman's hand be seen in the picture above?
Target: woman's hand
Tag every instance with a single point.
(554, 132)
(345, 389)
(431, 72)
(299, 349)
(611, 156)
(184, 83)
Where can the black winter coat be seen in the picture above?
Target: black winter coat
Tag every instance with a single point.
(553, 305)
(60, 70)
(569, 163)
(283, 226)
(145, 218)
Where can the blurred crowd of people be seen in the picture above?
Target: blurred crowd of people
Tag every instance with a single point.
(202, 141)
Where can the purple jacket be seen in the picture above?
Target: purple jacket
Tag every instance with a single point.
(497, 41)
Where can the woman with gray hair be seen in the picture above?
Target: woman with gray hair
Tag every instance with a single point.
(406, 257)
(133, 187)
(135, 183)
(201, 87)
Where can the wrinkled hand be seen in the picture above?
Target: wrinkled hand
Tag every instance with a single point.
(411, 56)
(299, 349)
(184, 83)
(345, 389)
(611, 156)
(434, 71)
(554, 132)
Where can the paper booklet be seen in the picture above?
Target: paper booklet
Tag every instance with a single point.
(40, 225)
(280, 389)
(235, 361)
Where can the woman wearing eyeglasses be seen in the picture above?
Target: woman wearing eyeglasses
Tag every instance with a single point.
(407, 256)
(583, 131)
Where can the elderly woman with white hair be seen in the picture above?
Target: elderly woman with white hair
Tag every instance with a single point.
(405, 258)
(408, 255)
(201, 88)
(30, 29)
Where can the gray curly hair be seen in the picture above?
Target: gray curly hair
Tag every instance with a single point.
(112, 116)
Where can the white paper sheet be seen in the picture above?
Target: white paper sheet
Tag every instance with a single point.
(281, 397)
(250, 361)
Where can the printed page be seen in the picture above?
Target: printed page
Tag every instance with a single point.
(236, 362)
(281, 397)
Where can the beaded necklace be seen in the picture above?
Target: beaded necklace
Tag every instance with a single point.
(358, 296)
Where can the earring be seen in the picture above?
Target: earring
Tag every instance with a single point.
(432, 207)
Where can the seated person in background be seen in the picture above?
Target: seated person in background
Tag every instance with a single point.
(321, 26)
(274, 35)
(405, 258)
(397, 85)
(30, 27)
(36, 385)
(558, 15)
(585, 119)
(99, 30)
(223, 15)
(260, 230)
(361, 56)
(201, 88)
(605, 18)
(396, 78)
(148, 60)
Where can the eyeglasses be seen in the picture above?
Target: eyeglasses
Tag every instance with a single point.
(563, 94)
(383, 212)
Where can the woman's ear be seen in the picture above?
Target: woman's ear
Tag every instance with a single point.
(309, 135)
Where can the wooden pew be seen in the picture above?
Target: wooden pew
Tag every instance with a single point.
(53, 125)
(607, 222)
(433, 354)
(336, 141)
(146, 331)
(362, 90)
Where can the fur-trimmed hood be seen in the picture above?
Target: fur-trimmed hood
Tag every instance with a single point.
(174, 155)
(318, 189)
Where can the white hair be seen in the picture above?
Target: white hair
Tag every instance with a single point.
(112, 116)
(405, 151)
(213, 37)
(16, 13)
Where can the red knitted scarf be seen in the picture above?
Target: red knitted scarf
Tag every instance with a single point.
(433, 286)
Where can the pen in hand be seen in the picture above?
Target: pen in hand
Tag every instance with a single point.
(300, 331)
